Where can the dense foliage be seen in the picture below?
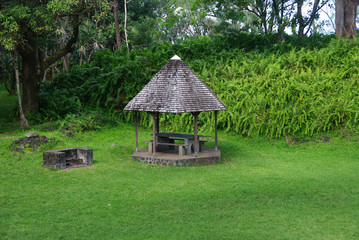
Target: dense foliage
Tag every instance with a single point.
(270, 89)
(42, 35)
(299, 92)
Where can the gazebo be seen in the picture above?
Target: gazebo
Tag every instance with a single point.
(176, 89)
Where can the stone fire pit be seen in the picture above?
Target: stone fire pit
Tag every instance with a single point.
(67, 158)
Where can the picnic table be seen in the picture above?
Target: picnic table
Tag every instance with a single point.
(167, 141)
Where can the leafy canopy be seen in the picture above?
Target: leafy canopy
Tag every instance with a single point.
(42, 17)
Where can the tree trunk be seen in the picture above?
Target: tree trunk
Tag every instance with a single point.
(117, 26)
(53, 71)
(355, 21)
(24, 123)
(300, 19)
(31, 75)
(339, 17)
(66, 62)
(31, 87)
(126, 39)
(278, 15)
(350, 11)
(345, 18)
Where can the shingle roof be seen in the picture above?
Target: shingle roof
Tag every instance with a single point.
(175, 89)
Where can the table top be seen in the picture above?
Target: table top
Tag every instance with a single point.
(177, 135)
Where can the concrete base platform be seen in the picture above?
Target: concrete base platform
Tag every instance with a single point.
(208, 156)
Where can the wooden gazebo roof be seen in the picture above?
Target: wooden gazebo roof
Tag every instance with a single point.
(175, 89)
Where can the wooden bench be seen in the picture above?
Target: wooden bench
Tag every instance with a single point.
(201, 142)
(180, 146)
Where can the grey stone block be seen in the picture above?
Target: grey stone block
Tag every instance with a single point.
(69, 157)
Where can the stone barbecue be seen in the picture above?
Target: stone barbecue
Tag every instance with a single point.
(67, 158)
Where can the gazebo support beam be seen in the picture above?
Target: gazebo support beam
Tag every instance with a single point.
(154, 133)
(136, 131)
(215, 130)
(158, 122)
(195, 115)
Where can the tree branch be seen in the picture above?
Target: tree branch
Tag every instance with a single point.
(254, 10)
(69, 45)
(316, 9)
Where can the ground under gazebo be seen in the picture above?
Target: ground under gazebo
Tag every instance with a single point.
(176, 89)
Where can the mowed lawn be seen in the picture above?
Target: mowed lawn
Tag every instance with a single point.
(262, 189)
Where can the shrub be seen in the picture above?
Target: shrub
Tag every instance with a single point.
(282, 89)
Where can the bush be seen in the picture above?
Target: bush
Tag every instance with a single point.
(291, 88)
(301, 92)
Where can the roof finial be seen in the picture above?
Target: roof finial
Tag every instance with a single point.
(175, 57)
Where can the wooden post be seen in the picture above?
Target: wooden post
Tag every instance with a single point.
(158, 123)
(154, 133)
(195, 115)
(215, 131)
(136, 131)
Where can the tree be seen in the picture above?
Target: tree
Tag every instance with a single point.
(140, 21)
(117, 25)
(125, 23)
(263, 16)
(345, 18)
(307, 21)
(23, 120)
(91, 39)
(25, 26)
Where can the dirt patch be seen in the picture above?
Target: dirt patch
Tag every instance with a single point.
(11, 137)
(325, 139)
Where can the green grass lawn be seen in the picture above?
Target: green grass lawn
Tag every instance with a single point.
(261, 190)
